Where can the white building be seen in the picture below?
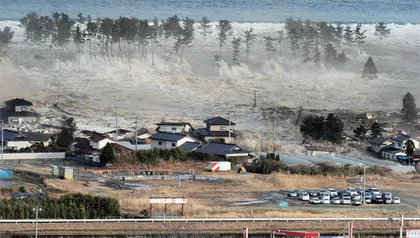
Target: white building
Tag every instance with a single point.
(399, 142)
(164, 140)
(98, 142)
(320, 150)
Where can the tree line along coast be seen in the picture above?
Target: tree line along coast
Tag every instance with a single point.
(129, 37)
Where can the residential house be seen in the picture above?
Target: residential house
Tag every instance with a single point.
(106, 131)
(165, 140)
(14, 140)
(399, 142)
(392, 153)
(175, 127)
(378, 143)
(19, 110)
(320, 150)
(191, 146)
(98, 142)
(217, 128)
(83, 150)
(224, 150)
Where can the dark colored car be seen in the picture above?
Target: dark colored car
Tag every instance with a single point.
(377, 200)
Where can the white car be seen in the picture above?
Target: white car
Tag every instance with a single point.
(325, 195)
(326, 201)
(315, 201)
(304, 196)
(396, 200)
(351, 191)
(356, 202)
(332, 192)
(336, 201)
(345, 200)
(356, 196)
(374, 191)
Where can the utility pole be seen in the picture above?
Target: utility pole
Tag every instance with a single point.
(364, 184)
(36, 210)
(179, 184)
(261, 140)
(324, 125)
(136, 132)
(255, 98)
(401, 225)
(275, 123)
(2, 141)
(229, 126)
(116, 124)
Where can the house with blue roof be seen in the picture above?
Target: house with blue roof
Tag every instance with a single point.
(392, 153)
(166, 140)
(399, 142)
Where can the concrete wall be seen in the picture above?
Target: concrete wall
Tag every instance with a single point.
(99, 145)
(22, 108)
(17, 145)
(318, 153)
(17, 120)
(33, 156)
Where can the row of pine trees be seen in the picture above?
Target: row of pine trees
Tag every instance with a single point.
(125, 37)
(69, 206)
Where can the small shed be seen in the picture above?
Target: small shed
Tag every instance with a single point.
(66, 172)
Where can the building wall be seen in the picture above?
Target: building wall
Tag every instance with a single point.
(35, 156)
(17, 145)
(170, 144)
(169, 128)
(22, 108)
(401, 145)
(227, 140)
(220, 128)
(17, 120)
(99, 145)
(318, 153)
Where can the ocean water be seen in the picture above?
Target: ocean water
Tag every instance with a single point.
(345, 11)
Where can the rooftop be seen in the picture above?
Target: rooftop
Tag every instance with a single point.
(100, 129)
(165, 136)
(392, 150)
(190, 146)
(218, 121)
(378, 141)
(18, 102)
(97, 138)
(222, 149)
(130, 146)
(173, 123)
(401, 138)
(36, 136)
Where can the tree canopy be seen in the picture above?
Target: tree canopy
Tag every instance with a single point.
(369, 70)
(330, 128)
(409, 107)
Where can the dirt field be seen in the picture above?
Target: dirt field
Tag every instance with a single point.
(237, 195)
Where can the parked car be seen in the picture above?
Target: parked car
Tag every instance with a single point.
(345, 194)
(299, 192)
(368, 195)
(315, 200)
(360, 191)
(396, 200)
(377, 200)
(356, 196)
(332, 192)
(313, 193)
(292, 193)
(356, 202)
(367, 200)
(386, 195)
(387, 200)
(320, 192)
(326, 201)
(304, 196)
(336, 200)
(352, 191)
(374, 191)
(345, 200)
(325, 195)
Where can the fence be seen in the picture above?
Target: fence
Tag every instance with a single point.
(51, 221)
(33, 156)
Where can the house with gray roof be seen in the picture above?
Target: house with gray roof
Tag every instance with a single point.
(376, 144)
(222, 149)
(190, 146)
(18, 111)
(217, 129)
(165, 140)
